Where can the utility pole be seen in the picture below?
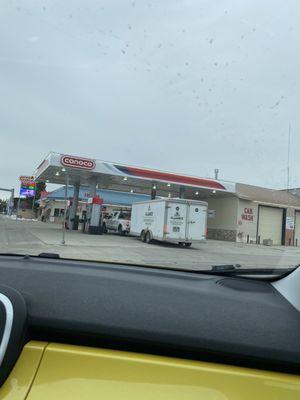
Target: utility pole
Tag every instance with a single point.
(288, 159)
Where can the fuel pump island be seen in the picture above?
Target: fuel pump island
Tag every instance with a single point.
(93, 222)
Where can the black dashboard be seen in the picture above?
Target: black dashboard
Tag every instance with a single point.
(182, 314)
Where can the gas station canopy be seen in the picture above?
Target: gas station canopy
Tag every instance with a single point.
(106, 175)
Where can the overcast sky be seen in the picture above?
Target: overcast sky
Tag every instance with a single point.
(184, 86)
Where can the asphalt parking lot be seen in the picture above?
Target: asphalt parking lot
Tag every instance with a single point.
(34, 237)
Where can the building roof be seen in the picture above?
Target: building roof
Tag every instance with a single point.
(108, 196)
(295, 191)
(267, 196)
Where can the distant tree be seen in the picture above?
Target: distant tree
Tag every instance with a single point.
(3, 205)
(40, 187)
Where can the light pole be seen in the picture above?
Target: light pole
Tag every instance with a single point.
(18, 206)
(66, 207)
(33, 201)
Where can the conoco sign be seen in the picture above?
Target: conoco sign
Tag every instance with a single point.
(24, 178)
(77, 162)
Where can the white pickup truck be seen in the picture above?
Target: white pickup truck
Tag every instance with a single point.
(118, 221)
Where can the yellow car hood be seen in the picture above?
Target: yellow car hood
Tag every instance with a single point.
(55, 371)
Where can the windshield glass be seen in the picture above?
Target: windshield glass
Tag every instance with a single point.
(194, 103)
(124, 215)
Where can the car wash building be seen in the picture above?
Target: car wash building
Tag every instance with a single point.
(237, 212)
(296, 192)
(255, 215)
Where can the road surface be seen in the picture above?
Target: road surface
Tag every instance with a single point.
(34, 237)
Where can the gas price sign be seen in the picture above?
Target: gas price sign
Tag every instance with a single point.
(27, 188)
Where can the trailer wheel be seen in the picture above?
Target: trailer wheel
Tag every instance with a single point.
(143, 236)
(148, 238)
(188, 244)
(180, 244)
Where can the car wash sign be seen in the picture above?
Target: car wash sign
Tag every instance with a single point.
(77, 162)
(248, 215)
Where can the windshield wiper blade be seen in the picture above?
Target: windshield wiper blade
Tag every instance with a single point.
(48, 255)
(237, 270)
(41, 255)
(225, 267)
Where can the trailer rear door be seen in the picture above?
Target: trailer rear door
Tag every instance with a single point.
(196, 222)
(176, 221)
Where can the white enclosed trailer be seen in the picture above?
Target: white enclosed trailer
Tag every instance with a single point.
(170, 220)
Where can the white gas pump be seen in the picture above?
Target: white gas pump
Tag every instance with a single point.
(93, 223)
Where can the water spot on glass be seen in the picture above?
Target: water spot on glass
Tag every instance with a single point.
(129, 27)
(275, 105)
(211, 40)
